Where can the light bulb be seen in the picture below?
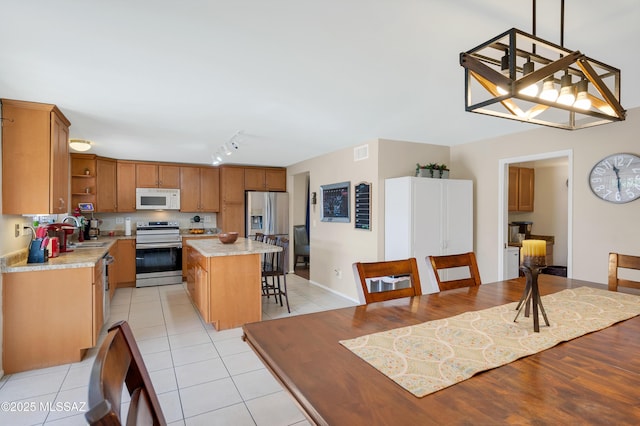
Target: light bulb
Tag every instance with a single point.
(582, 100)
(567, 91)
(549, 91)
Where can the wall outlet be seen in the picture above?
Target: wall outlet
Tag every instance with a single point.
(207, 219)
(18, 228)
(119, 220)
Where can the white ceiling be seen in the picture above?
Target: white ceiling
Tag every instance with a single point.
(173, 80)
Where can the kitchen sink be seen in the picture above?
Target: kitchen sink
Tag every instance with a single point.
(88, 244)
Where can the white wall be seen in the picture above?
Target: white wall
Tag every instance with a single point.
(336, 246)
(598, 227)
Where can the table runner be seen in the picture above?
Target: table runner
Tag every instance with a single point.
(427, 357)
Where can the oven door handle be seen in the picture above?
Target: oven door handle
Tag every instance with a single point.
(158, 245)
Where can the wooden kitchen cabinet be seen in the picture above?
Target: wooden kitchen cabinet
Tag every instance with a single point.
(197, 280)
(186, 250)
(521, 189)
(265, 179)
(50, 317)
(150, 175)
(231, 216)
(106, 185)
(126, 267)
(199, 189)
(126, 186)
(201, 293)
(35, 153)
(83, 179)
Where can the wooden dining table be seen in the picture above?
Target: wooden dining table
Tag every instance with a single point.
(593, 379)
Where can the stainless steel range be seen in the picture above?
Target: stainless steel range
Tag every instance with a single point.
(158, 254)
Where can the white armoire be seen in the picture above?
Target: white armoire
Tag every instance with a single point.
(425, 217)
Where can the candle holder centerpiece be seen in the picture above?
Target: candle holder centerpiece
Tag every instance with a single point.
(533, 259)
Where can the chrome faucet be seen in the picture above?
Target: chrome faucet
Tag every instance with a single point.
(75, 220)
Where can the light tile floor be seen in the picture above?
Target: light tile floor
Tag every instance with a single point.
(202, 376)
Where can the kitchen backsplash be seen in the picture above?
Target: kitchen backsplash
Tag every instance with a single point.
(115, 221)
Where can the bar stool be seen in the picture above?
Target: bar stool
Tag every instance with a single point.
(275, 267)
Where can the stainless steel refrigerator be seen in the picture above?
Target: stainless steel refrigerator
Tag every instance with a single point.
(267, 212)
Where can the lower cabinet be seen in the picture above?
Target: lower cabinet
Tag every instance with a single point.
(225, 289)
(125, 263)
(50, 317)
(201, 293)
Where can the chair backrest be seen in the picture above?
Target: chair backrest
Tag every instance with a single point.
(119, 362)
(624, 261)
(455, 261)
(283, 256)
(259, 236)
(388, 280)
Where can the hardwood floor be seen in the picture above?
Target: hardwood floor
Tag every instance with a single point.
(302, 271)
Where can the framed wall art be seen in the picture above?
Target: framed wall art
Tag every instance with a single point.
(336, 203)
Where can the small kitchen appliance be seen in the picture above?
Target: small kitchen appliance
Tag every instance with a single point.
(61, 230)
(94, 231)
(516, 228)
(157, 199)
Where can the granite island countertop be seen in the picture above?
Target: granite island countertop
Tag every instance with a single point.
(78, 258)
(212, 247)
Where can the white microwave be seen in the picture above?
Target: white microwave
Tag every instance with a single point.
(157, 199)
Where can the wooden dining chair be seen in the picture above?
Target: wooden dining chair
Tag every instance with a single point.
(624, 261)
(388, 280)
(455, 261)
(119, 362)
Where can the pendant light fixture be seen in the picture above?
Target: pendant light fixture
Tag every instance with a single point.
(503, 77)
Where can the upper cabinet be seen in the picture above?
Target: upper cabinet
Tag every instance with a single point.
(521, 189)
(106, 191)
(126, 184)
(150, 175)
(35, 154)
(200, 189)
(83, 179)
(265, 179)
(231, 216)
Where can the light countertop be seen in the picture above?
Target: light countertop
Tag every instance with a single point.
(78, 258)
(212, 247)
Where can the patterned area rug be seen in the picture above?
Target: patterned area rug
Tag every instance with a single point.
(427, 357)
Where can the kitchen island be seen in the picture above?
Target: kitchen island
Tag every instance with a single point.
(224, 280)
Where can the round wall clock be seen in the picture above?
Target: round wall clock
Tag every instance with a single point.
(616, 178)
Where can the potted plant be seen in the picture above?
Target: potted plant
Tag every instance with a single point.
(432, 170)
(426, 170)
(444, 172)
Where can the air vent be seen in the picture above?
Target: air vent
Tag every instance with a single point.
(360, 152)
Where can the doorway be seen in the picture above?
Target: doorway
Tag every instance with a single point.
(557, 167)
(300, 218)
